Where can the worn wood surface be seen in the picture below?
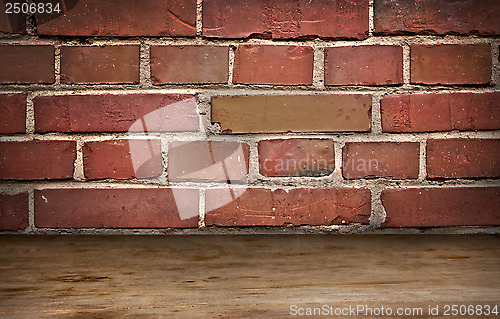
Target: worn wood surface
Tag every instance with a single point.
(245, 276)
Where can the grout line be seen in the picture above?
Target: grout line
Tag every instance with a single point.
(337, 172)
(57, 64)
(406, 64)
(232, 54)
(31, 210)
(319, 68)
(376, 114)
(30, 114)
(78, 173)
(199, 18)
(371, 18)
(145, 66)
(422, 171)
(201, 221)
(163, 179)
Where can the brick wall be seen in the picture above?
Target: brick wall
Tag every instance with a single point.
(202, 116)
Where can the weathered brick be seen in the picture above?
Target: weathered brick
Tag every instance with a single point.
(463, 158)
(273, 64)
(440, 112)
(380, 159)
(189, 64)
(12, 113)
(117, 208)
(292, 113)
(437, 17)
(124, 18)
(451, 64)
(122, 159)
(116, 113)
(364, 65)
(296, 157)
(302, 206)
(285, 19)
(437, 207)
(13, 211)
(27, 64)
(105, 64)
(208, 161)
(37, 160)
(11, 22)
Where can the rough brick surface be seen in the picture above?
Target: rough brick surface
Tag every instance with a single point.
(309, 206)
(285, 19)
(116, 208)
(440, 112)
(364, 65)
(37, 160)
(451, 64)
(292, 113)
(273, 64)
(208, 161)
(106, 64)
(11, 22)
(463, 158)
(436, 207)
(437, 17)
(380, 159)
(116, 113)
(12, 113)
(27, 64)
(122, 159)
(13, 211)
(189, 64)
(126, 18)
(296, 157)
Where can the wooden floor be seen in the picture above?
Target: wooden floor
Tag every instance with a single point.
(229, 276)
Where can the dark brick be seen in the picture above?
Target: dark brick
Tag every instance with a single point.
(285, 19)
(364, 65)
(116, 113)
(273, 64)
(451, 64)
(440, 112)
(300, 206)
(11, 22)
(13, 211)
(463, 158)
(189, 64)
(292, 113)
(107, 64)
(37, 160)
(12, 113)
(124, 18)
(437, 17)
(122, 159)
(208, 161)
(438, 207)
(27, 64)
(381, 159)
(117, 208)
(296, 157)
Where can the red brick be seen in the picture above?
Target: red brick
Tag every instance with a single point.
(124, 18)
(463, 158)
(285, 19)
(11, 22)
(437, 17)
(273, 64)
(189, 64)
(27, 64)
(437, 207)
(117, 208)
(12, 113)
(364, 65)
(13, 211)
(296, 157)
(116, 113)
(37, 160)
(440, 112)
(208, 161)
(122, 159)
(107, 64)
(292, 113)
(451, 64)
(381, 159)
(300, 206)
